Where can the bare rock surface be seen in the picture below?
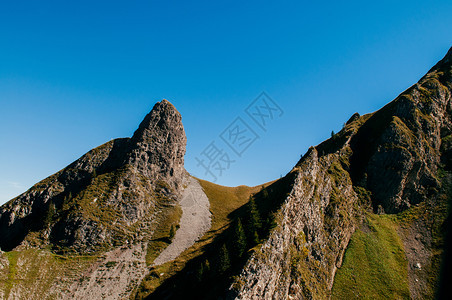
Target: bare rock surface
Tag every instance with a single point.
(157, 147)
(194, 223)
(315, 226)
(417, 242)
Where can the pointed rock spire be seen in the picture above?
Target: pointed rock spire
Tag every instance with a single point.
(158, 145)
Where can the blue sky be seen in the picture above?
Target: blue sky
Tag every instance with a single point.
(75, 74)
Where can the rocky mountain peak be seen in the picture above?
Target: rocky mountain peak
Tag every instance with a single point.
(393, 161)
(158, 145)
(162, 118)
(119, 182)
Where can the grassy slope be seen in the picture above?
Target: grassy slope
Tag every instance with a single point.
(224, 200)
(30, 274)
(375, 266)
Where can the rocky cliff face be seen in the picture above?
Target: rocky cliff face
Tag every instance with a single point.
(158, 146)
(315, 224)
(101, 198)
(387, 160)
(397, 151)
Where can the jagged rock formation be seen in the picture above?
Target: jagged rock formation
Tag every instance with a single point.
(315, 224)
(393, 154)
(158, 146)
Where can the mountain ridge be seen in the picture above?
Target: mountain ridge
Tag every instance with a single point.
(389, 159)
(384, 179)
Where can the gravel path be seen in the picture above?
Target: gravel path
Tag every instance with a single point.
(195, 221)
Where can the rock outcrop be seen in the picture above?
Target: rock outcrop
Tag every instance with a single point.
(158, 146)
(397, 151)
(315, 225)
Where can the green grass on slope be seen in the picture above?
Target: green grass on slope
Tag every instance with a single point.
(224, 200)
(375, 266)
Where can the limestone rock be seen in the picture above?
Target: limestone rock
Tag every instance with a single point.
(158, 145)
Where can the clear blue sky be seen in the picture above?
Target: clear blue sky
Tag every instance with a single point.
(75, 74)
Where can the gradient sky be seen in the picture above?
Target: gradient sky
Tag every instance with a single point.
(75, 74)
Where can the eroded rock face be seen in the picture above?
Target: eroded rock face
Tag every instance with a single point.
(397, 151)
(158, 145)
(316, 221)
(94, 200)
